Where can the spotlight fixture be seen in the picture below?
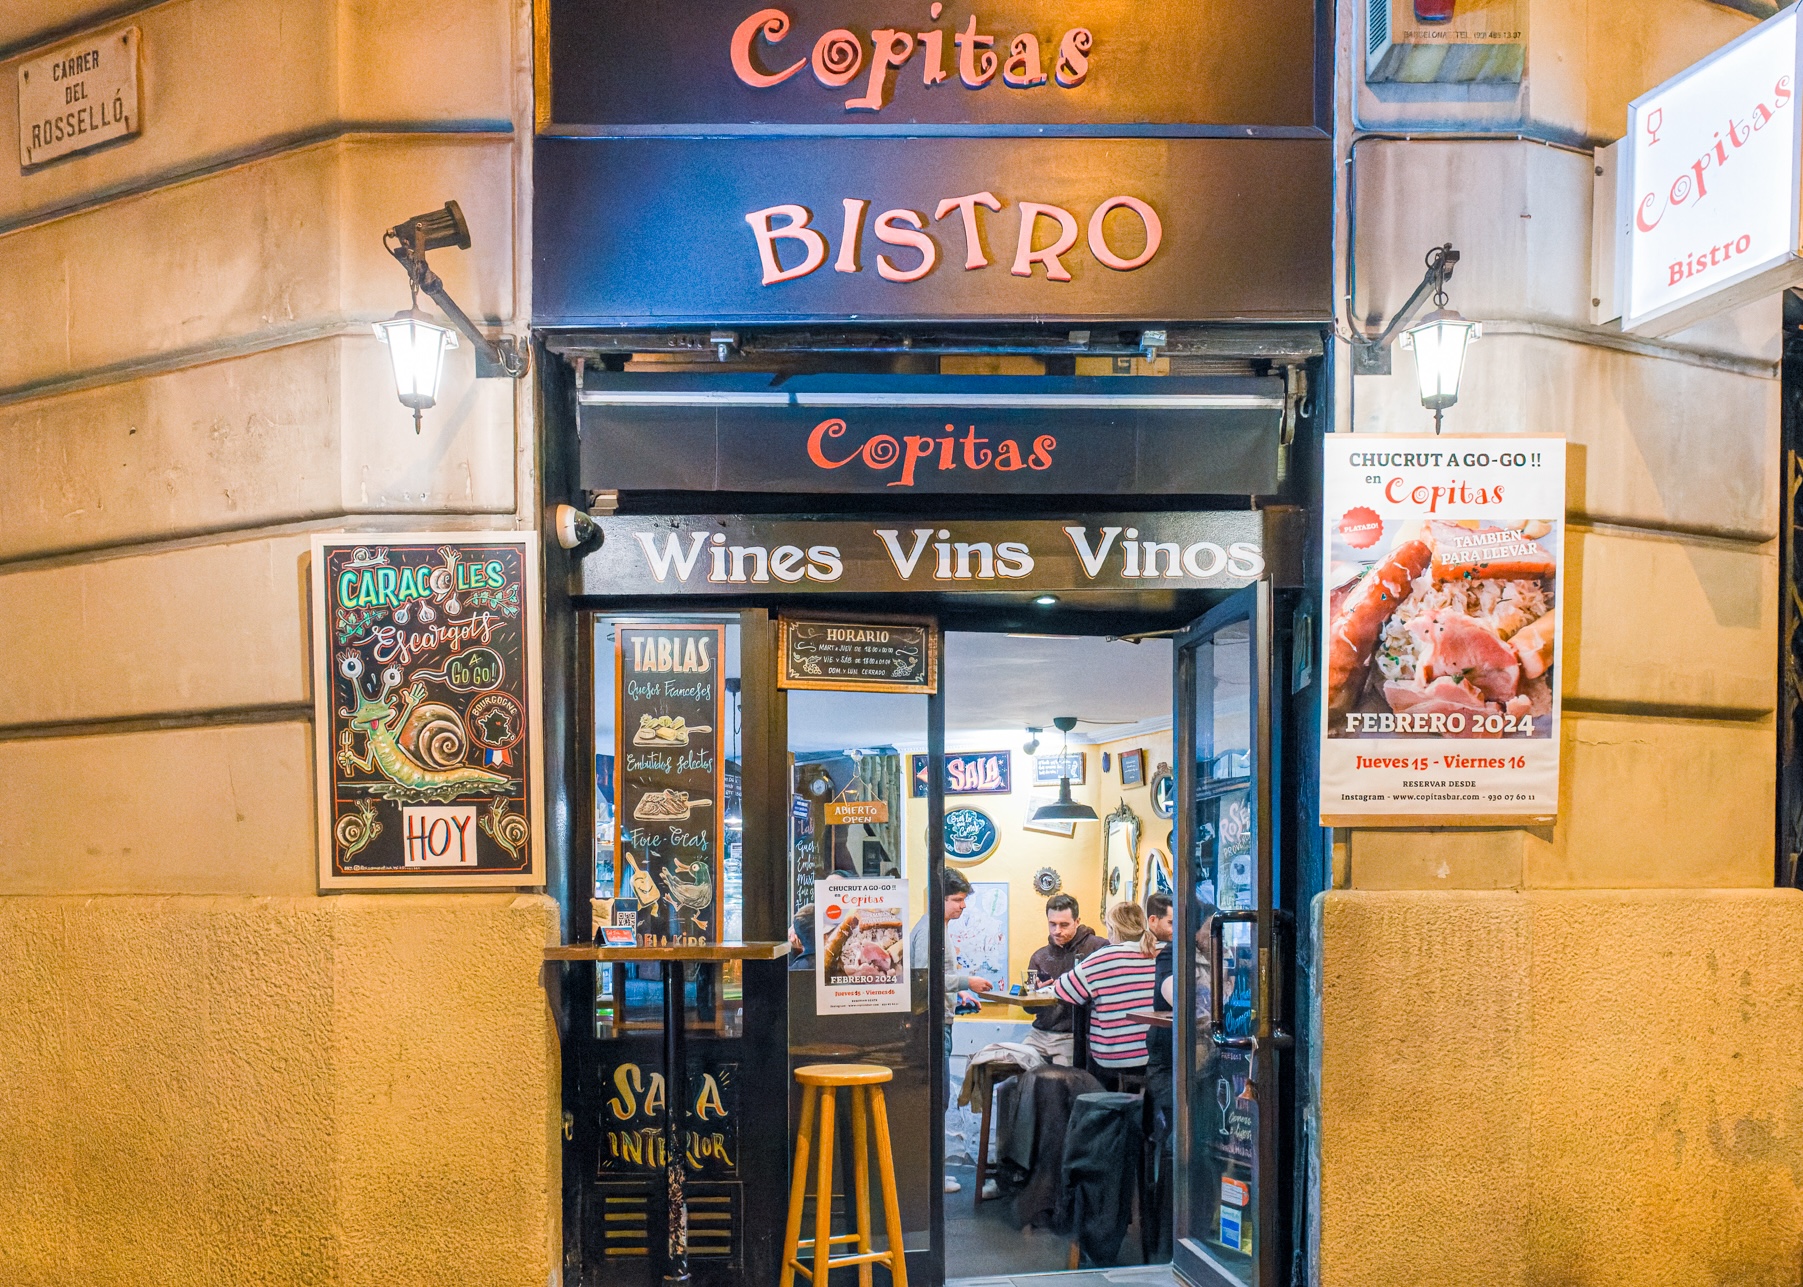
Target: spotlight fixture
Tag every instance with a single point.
(416, 343)
(1064, 809)
(1032, 746)
(1439, 340)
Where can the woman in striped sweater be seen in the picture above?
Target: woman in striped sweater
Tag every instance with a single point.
(1114, 981)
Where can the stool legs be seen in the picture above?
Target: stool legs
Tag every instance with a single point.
(885, 1166)
(823, 1191)
(861, 1178)
(819, 1116)
(798, 1187)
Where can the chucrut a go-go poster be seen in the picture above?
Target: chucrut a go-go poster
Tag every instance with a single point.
(861, 961)
(1441, 651)
(426, 711)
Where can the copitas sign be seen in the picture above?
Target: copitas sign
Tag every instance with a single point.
(1707, 206)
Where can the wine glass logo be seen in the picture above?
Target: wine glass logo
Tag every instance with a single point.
(1223, 1097)
(1655, 119)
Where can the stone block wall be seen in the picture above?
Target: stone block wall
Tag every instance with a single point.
(217, 1075)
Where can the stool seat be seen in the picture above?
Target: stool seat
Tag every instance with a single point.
(843, 1074)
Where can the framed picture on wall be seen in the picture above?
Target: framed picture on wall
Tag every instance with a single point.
(1049, 827)
(1048, 769)
(1133, 768)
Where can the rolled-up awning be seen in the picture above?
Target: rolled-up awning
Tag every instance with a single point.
(1073, 435)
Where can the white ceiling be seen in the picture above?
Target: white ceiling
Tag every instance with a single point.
(1001, 684)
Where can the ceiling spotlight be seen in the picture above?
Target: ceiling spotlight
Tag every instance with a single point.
(1064, 809)
(1032, 746)
(1046, 600)
(416, 343)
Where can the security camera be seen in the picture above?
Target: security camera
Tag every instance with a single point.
(574, 527)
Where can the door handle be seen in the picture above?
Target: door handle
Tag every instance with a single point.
(1217, 982)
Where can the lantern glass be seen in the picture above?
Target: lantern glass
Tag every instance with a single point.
(416, 349)
(1439, 342)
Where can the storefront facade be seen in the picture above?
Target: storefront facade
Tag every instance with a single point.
(756, 285)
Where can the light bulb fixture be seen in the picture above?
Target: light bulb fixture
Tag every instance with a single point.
(1439, 340)
(416, 343)
(1064, 809)
(1046, 600)
(1032, 746)
(416, 349)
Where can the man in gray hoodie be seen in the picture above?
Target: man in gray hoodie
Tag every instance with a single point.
(1068, 941)
(957, 891)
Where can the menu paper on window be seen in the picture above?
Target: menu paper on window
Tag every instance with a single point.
(862, 954)
(670, 790)
(1442, 632)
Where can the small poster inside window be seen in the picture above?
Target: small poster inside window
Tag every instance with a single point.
(863, 946)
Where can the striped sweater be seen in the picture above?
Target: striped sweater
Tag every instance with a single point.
(1114, 980)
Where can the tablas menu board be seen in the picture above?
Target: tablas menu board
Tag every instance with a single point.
(1443, 559)
(670, 783)
(425, 689)
(870, 656)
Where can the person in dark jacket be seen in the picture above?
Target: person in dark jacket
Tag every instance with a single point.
(1068, 941)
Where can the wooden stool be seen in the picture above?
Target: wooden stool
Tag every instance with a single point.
(819, 1085)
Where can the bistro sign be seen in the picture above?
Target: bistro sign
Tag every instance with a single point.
(711, 554)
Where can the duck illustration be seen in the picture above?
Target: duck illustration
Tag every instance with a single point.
(691, 887)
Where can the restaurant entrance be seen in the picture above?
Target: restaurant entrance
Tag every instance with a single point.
(837, 783)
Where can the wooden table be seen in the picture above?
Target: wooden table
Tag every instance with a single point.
(1032, 1001)
(1151, 1018)
(676, 1064)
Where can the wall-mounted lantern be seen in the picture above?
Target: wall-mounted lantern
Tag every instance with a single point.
(416, 343)
(1439, 340)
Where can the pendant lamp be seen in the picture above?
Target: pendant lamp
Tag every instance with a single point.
(1064, 809)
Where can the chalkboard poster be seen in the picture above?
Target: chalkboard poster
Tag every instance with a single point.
(869, 656)
(670, 784)
(425, 689)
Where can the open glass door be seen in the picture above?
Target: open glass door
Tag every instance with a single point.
(1229, 1033)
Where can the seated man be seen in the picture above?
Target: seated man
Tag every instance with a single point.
(1067, 942)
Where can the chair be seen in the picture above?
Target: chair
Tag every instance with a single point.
(819, 1092)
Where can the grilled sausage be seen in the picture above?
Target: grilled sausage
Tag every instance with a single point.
(1353, 633)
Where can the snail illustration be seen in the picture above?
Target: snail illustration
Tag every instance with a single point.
(419, 751)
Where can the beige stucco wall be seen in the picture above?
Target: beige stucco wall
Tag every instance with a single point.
(214, 1075)
(1570, 1054)
(1537, 1088)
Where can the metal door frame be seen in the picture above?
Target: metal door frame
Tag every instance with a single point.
(1254, 605)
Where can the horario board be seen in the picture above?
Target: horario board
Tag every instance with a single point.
(670, 784)
(889, 656)
(1443, 583)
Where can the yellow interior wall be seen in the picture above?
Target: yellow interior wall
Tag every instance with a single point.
(1019, 852)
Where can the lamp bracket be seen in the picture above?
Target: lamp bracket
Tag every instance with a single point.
(408, 243)
(1371, 354)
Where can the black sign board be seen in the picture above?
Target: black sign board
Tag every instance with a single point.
(869, 656)
(717, 231)
(1121, 65)
(910, 434)
(632, 1117)
(670, 788)
(732, 554)
(425, 696)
